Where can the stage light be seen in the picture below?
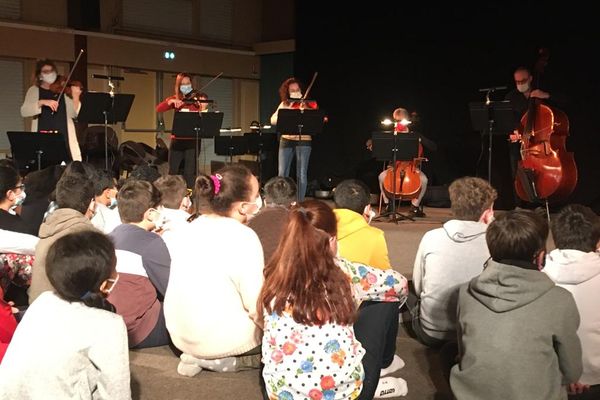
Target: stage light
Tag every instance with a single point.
(404, 122)
(387, 122)
(169, 55)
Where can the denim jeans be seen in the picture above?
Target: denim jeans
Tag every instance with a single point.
(286, 154)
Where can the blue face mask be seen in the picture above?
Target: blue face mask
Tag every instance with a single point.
(185, 89)
(113, 203)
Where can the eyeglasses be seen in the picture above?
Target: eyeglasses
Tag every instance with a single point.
(21, 186)
(522, 81)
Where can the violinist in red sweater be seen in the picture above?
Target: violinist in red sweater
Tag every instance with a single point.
(185, 99)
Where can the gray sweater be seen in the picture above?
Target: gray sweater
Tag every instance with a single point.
(517, 337)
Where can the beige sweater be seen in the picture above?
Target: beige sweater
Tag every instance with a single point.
(216, 277)
(30, 108)
(60, 223)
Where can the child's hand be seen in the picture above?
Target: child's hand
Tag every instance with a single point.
(13, 309)
(578, 388)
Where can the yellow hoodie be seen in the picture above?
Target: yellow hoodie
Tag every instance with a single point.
(360, 242)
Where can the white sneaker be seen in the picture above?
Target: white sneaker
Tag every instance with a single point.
(396, 365)
(391, 387)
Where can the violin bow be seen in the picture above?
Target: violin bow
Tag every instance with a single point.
(69, 77)
(211, 81)
(310, 86)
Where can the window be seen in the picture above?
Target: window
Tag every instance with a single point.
(11, 98)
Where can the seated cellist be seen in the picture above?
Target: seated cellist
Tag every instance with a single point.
(402, 121)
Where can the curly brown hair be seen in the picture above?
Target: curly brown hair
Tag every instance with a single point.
(284, 89)
(470, 197)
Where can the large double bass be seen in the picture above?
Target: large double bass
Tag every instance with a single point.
(546, 171)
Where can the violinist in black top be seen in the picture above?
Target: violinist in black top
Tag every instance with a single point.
(51, 111)
(183, 149)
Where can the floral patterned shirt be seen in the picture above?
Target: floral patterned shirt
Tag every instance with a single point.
(324, 362)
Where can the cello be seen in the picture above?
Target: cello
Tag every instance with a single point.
(547, 171)
(407, 184)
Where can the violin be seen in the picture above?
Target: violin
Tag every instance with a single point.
(302, 103)
(61, 85)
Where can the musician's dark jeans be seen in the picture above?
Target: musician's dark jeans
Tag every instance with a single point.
(179, 153)
(376, 329)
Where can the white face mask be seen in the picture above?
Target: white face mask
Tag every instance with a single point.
(114, 283)
(259, 204)
(49, 78)
(295, 95)
(159, 220)
(185, 89)
(20, 198)
(372, 215)
(524, 87)
(186, 203)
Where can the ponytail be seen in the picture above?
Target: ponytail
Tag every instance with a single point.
(303, 274)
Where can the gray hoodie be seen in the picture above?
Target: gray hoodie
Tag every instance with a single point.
(518, 337)
(447, 258)
(579, 273)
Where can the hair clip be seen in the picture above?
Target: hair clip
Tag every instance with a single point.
(216, 178)
(302, 210)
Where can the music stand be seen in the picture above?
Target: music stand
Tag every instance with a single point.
(231, 145)
(107, 109)
(391, 146)
(197, 125)
(493, 118)
(300, 122)
(259, 142)
(41, 149)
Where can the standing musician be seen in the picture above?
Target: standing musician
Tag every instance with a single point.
(183, 149)
(519, 99)
(50, 112)
(401, 125)
(290, 144)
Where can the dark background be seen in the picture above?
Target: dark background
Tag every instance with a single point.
(372, 58)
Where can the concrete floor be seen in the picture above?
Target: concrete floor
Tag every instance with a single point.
(154, 371)
(154, 374)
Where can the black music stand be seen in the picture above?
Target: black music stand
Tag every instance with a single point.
(197, 125)
(106, 109)
(302, 123)
(231, 145)
(40, 149)
(391, 146)
(493, 118)
(260, 142)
